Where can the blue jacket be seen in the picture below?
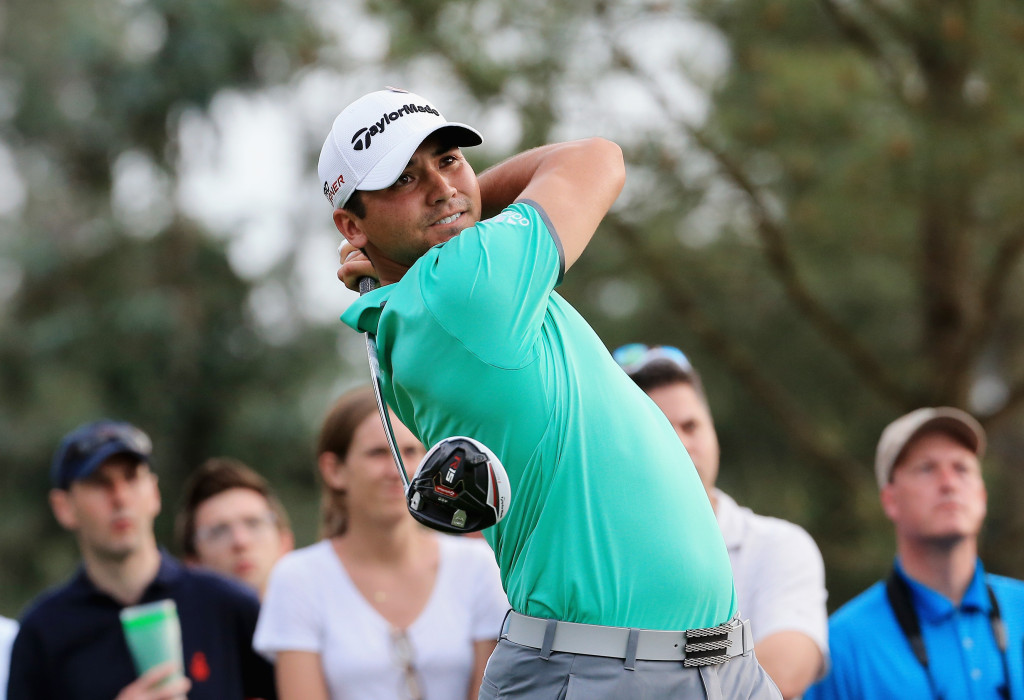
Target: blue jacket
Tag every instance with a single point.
(871, 657)
(71, 645)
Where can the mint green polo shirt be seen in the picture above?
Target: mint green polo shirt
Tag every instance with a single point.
(608, 522)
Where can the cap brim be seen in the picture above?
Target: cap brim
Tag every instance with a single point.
(390, 167)
(951, 425)
(102, 455)
(898, 436)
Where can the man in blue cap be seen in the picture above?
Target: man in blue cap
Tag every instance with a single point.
(71, 644)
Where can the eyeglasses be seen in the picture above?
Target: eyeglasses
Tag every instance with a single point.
(221, 534)
(402, 647)
(635, 356)
(131, 437)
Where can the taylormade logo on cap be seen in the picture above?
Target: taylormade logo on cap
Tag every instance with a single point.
(372, 140)
(364, 137)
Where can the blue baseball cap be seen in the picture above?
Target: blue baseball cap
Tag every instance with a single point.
(88, 446)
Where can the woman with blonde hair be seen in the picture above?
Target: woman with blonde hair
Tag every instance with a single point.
(381, 608)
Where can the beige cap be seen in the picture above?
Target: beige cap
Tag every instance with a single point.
(898, 434)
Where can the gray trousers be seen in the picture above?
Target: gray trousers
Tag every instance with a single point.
(516, 672)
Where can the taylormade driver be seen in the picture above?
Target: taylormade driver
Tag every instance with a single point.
(460, 485)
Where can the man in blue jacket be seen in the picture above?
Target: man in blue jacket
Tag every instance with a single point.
(71, 645)
(940, 626)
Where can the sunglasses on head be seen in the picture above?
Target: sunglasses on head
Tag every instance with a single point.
(635, 356)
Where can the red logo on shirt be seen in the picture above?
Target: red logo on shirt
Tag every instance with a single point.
(198, 668)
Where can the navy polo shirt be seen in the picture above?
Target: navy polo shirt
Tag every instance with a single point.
(71, 646)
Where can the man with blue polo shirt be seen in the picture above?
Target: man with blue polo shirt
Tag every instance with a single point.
(71, 645)
(473, 340)
(939, 626)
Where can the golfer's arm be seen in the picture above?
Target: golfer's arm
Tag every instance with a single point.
(575, 183)
(792, 659)
(300, 676)
(481, 653)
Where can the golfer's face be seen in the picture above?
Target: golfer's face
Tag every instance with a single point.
(434, 199)
(114, 508)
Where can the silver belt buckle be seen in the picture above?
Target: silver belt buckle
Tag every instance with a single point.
(709, 646)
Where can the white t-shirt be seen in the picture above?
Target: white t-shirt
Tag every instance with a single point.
(779, 573)
(311, 604)
(8, 631)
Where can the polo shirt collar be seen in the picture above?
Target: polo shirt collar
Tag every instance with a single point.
(934, 607)
(170, 571)
(363, 314)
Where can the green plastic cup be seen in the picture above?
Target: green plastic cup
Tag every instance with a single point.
(153, 633)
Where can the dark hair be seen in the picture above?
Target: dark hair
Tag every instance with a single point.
(663, 372)
(356, 205)
(336, 432)
(215, 476)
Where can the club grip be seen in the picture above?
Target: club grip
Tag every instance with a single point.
(367, 284)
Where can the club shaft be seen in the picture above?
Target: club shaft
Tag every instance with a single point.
(367, 284)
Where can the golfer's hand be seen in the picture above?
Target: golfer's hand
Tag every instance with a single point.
(354, 265)
(145, 688)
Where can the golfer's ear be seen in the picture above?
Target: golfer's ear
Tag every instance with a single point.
(349, 227)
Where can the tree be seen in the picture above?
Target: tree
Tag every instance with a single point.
(120, 306)
(874, 155)
(835, 236)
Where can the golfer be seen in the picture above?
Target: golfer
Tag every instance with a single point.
(610, 554)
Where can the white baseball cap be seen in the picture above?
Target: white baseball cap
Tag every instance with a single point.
(373, 139)
(898, 434)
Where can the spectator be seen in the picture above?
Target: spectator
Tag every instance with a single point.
(777, 567)
(939, 626)
(382, 608)
(232, 522)
(8, 629)
(71, 645)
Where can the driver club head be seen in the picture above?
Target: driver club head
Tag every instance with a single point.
(459, 486)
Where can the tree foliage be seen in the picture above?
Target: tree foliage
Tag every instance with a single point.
(822, 209)
(835, 238)
(134, 317)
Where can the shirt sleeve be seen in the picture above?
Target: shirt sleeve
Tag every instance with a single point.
(289, 618)
(790, 590)
(489, 286)
(28, 676)
(489, 602)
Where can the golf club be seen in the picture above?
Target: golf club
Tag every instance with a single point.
(460, 485)
(368, 284)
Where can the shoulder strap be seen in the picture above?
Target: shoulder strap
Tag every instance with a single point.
(898, 593)
(996, 619)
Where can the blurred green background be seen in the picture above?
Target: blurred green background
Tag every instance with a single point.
(823, 209)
